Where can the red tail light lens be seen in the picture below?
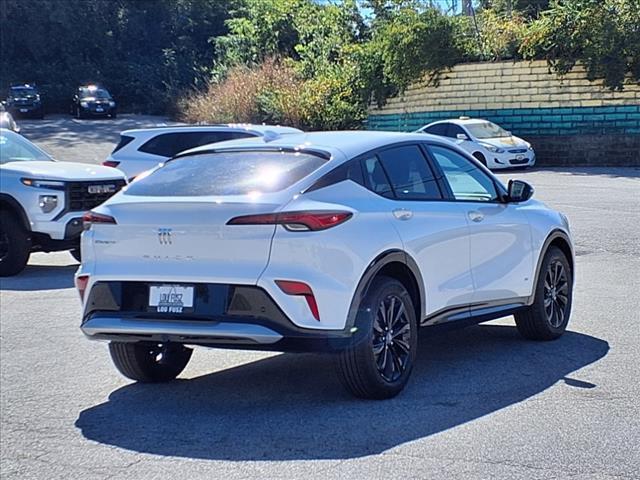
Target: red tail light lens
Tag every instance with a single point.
(300, 289)
(295, 221)
(89, 218)
(81, 284)
(110, 163)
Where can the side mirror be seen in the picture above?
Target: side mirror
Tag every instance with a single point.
(519, 191)
(461, 136)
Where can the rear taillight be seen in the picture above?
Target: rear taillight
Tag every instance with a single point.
(110, 163)
(295, 221)
(91, 217)
(300, 289)
(81, 284)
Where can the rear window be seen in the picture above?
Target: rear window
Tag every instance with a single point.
(170, 144)
(227, 173)
(124, 140)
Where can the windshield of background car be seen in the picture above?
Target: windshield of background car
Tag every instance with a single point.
(486, 130)
(95, 93)
(23, 91)
(227, 173)
(14, 148)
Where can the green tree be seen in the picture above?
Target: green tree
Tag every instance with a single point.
(602, 34)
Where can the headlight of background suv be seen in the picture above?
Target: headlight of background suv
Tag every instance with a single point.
(48, 203)
(112, 103)
(49, 184)
(84, 104)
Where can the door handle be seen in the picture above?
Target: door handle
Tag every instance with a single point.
(402, 214)
(476, 216)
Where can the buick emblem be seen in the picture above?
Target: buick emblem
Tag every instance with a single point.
(164, 236)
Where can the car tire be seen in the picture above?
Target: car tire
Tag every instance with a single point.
(15, 245)
(378, 363)
(76, 254)
(548, 316)
(481, 158)
(150, 362)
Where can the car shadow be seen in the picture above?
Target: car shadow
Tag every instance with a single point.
(293, 408)
(41, 277)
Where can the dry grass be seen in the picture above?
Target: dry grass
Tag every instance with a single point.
(269, 93)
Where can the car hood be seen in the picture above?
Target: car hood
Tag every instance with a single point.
(64, 171)
(505, 142)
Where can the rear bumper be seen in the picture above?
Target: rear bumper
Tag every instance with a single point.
(225, 316)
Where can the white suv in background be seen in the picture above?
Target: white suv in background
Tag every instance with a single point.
(338, 241)
(42, 201)
(494, 146)
(142, 149)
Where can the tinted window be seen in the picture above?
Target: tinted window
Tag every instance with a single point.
(410, 175)
(376, 178)
(454, 130)
(227, 173)
(124, 140)
(347, 171)
(487, 130)
(170, 144)
(437, 129)
(467, 181)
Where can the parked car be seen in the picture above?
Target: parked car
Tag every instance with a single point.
(339, 241)
(93, 101)
(142, 149)
(494, 146)
(42, 201)
(7, 121)
(25, 100)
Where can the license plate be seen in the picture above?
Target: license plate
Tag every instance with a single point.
(170, 298)
(24, 110)
(519, 157)
(99, 109)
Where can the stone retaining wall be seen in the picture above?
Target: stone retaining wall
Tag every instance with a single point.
(569, 120)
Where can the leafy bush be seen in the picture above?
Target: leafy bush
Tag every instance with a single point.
(602, 34)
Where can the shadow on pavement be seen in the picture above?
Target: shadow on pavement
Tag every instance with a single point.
(41, 277)
(286, 407)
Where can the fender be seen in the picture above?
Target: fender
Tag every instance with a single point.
(370, 273)
(554, 235)
(6, 199)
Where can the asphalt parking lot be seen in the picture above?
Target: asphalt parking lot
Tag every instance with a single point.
(482, 403)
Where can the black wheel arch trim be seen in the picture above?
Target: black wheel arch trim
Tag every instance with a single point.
(554, 235)
(374, 268)
(14, 205)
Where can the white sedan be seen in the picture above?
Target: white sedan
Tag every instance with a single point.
(491, 144)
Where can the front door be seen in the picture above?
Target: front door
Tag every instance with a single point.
(501, 253)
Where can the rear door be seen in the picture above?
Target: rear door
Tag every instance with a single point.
(500, 235)
(434, 232)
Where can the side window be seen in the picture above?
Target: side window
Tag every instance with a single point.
(454, 130)
(437, 129)
(467, 181)
(410, 175)
(375, 177)
(165, 145)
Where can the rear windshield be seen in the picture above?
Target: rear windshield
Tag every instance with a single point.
(227, 173)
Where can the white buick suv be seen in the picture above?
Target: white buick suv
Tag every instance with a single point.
(331, 241)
